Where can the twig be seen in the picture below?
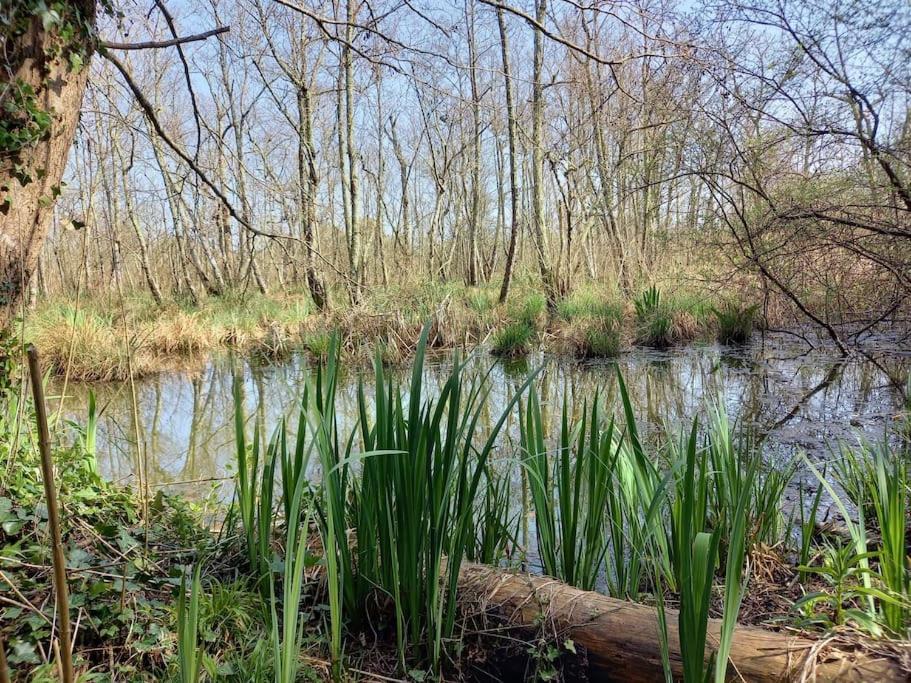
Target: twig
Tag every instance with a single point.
(53, 516)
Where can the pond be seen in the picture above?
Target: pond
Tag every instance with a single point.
(797, 398)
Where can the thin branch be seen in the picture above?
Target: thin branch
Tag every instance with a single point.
(156, 44)
(149, 110)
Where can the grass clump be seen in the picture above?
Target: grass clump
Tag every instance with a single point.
(654, 320)
(318, 344)
(569, 492)
(601, 338)
(735, 322)
(414, 502)
(588, 303)
(513, 340)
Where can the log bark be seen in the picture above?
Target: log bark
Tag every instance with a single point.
(622, 642)
(30, 179)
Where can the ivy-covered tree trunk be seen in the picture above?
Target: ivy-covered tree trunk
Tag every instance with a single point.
(47, 53)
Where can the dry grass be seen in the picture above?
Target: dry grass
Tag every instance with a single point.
(106, 340)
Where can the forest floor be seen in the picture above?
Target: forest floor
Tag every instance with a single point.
(110, 339)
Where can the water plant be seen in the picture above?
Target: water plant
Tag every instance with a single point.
(601, 339)
(731, 456)
(421, 466)
(808, 518)
(286, 628)
(189, 654)
(654, 322)
(569, 491)
(735, 322)
(513, 339)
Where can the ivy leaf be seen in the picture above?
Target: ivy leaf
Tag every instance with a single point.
(76, 62)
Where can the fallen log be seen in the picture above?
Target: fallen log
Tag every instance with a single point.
(622, 643)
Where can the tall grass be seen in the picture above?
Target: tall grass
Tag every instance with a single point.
(875, 479)
(731, 457)
(735, 322)
(569, 491)
(422, 461)
(637, 505)
(286, 628)
(513, 339)
(654, 320)
(189, 654)
(695, 552)
(254, 493)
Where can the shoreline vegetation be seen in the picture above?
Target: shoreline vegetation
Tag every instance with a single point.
(102, 340)
(320, 576)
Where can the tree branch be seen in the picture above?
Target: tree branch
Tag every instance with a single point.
(156, 44)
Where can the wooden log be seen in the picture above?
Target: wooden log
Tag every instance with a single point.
(622, 643)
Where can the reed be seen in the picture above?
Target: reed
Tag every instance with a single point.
(189, 654)
(735, 322)
(421, 462)
(569, 492)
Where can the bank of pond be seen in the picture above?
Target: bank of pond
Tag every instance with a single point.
(422, 541)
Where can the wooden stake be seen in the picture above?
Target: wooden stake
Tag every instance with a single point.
(4, 671)
(53, 517)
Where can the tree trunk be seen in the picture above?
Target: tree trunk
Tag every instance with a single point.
(308, 178)
(622, 643)
(513, 182)
(30, 176)
(537, 163)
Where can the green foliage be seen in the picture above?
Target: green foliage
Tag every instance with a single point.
(587, 304)
(695, 552)
(654, 321)
(513, 340)
(527, 309)
(601, 340)
(189, 654)
(569, 492)
(731, 459)
(808, 518)
(24, 122)
(318, 344)
(876, 481)
(414, 504)
(735, 322)
(496, 524)
(124, 568)
(850, 579)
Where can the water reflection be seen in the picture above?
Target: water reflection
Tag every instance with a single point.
(183, 426)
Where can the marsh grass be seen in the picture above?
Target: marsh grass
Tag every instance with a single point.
(513, 340)
(421, 464)
(602, 339)
(569, 490)
(189, 653)
(654, 320)
(735, 322)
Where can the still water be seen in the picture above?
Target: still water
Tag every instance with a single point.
(799, 399)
